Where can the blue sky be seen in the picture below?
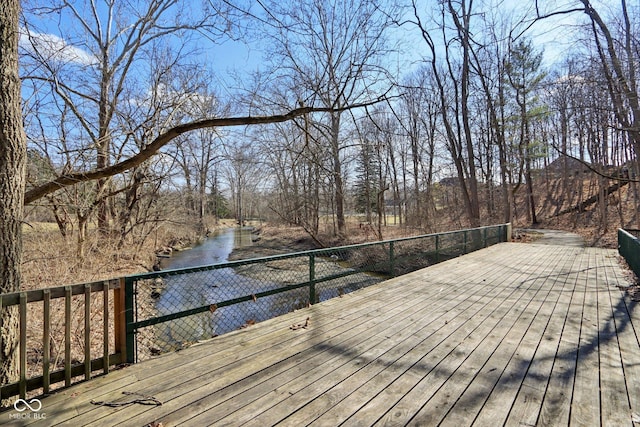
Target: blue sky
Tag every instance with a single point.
(230, 57)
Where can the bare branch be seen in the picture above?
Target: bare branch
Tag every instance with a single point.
(166, 137)
(619, 177)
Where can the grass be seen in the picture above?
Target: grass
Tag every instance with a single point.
(39, 227)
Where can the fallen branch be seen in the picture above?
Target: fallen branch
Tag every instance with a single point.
(593, 199)
(297, 326)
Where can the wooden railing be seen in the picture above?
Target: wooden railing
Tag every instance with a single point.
(66, 334)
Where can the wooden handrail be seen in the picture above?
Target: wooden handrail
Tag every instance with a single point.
(75, 299)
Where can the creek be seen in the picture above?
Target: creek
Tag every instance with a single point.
(215, 249)
(187, 291)
(181, 292)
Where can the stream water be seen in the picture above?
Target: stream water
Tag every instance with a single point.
(180, 292)
(215, 249)
(186, 291)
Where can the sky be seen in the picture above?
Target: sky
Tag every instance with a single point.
(229, 58)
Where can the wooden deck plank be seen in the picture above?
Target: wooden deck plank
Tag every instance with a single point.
(502, 398)
(512, 334)
(159, 371)
(615, 408)
(585, 403)
(248, 413)
(193, 386)
(556, 404)
(348, 394)
(261, 381)
(525, 409)
(431, 356)
(626, 330)
(228, 368)
(453, 356)
(313, 404)
(344, 358)
(459, 400)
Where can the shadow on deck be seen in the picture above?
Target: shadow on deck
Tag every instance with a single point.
(510, 335)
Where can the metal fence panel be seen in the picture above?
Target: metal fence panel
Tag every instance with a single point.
(174, 309)
(629, 248)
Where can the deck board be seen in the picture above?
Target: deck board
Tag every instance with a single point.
(615, 410)
(470, 384)
(587, 376)
(556, 403)
(528, 399)
(515, 334)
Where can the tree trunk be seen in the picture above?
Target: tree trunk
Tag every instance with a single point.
(530, 199)
(13, 157)
(337, 175)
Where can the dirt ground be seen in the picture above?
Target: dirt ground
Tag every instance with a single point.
(273, 240)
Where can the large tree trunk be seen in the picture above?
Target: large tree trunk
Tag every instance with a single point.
(12, 181)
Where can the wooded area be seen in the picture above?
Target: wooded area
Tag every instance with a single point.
(431, 116)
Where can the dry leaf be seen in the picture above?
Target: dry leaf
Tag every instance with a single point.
(248, 323)
(304, 325)
(213, 308)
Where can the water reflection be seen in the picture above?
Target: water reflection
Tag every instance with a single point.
(215, 249)
(198, 289)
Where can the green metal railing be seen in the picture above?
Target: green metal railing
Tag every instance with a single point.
(629, 248)
(171, 309)
(67, 334)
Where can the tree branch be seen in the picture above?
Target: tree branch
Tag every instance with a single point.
(166, 137)
(620, 176)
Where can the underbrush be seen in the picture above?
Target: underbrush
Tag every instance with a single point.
(50, 260)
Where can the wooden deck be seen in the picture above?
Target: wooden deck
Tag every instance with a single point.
(516, 334)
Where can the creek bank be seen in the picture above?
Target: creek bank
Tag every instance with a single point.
(269, 240)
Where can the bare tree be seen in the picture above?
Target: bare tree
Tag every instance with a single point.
(13, 160)
(197, 153)
(523, 72)
(419, 119)
(331, 51)
(619, 58)
(453, 80)
(125, 46)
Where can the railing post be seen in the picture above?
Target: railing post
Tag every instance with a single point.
(87, 331)
(464, 242)
(46, 340)
(312, 278)
(105, 327)
(392, 260)
(484, 236)
(119, 321)
(437, 248)
(123, 319)
(23, 345)
(128, 315)
(67, 335)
